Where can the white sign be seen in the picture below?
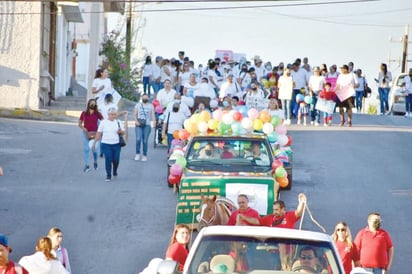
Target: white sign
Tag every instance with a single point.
(327, 106)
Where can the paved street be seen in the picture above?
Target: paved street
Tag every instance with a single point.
(118, 227)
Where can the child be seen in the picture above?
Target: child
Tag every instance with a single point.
(273, 108)
(328, 95)
(303, 109)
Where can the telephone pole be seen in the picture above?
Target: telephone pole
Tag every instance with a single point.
(405, 49)
(129, 36)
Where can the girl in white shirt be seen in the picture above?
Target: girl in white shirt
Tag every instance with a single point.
(101, 83)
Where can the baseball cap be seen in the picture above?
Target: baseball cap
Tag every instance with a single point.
(4, 241)
(289, 66)
(345, 67)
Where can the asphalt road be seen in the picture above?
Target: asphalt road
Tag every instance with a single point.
(117, 227)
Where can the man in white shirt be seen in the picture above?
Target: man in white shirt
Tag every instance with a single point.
(408, 89)
(230, 88)
(183, 108)
(300, 77)
(156, 83)
(166, 94)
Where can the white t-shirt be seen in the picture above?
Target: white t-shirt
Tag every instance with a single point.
(408, 84)
(300, 78)
(205, 90)
(316, 83)
(109, 130)
(175, 122)
(163, 75)
(165, 97)
(229, 89)
(38, 264)
(155, 72)
(285, 87)
(362, 81)
(105, 107)
(98, 82)
(183, 108)
(190, 90)
(345, 80)
(147, 70)
(185, 77)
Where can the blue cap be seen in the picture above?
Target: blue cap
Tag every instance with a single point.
(4, 241)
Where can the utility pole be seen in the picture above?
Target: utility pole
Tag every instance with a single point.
(405, 50)
(129, 36)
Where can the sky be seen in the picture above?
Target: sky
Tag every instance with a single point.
(330, 32)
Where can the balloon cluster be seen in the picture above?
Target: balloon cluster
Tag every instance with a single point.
(279, 173)
(178, 155)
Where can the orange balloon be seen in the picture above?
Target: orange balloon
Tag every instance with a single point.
(205, 116)
(283, 181)
(176, 134)
(183, 134)
(264, 116)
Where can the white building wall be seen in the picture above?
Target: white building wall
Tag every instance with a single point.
(20, 53)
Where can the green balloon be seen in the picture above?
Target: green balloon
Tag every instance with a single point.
(280, 172)
(181, 161)
(275, 121)
(273, 137)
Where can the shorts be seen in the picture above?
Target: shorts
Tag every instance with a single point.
(303, 110)
(348, 103)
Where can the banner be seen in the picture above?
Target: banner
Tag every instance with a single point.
(257, 103)
(345, 92)
(327, 106)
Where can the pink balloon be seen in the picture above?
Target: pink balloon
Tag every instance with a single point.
(159, 109)
(176, 170)
(218, 114)
(281, 129)
(253, 114)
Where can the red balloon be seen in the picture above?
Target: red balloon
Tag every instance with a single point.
(184, 134)
(173, 179)
(276, 164)
(237, 116)
(289, 143)
(156, 103)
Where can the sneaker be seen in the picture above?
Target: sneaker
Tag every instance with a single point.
(144, 158)
(95, 165)
(325, 125)
(312, 122)
(304, 123)
(317, 124)
(86, 169)
(137, 157)
(288, 122)
(108, 179)
(298, 123)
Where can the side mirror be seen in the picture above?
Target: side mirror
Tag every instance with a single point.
(168, 267)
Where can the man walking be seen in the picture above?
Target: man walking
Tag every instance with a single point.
(375, 246)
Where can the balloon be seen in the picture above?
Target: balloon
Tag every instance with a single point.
(236, 127)
(267, 128)
(176, 134)
(264, 115)
(281, 129)
(176, 170)
(276, 164)
(178, 151)
(223, 128)
(237, 116)
(205, 116)
(257, 124)
(212, 123)
(299, 97)
(246, 123)
(227, 118)
(202, 127)
(308, 99)
(181, 161)
(283, 181)
(243, 110)
(156, 103)
(173, 179)
(280, 172)
(195, 118)
(273, 137)
(187, 123)
(289, 143)
(175, 155)
(175, 142)
(192, 129)
(275, 120)
(282, 140)
(252, 114)
(217, 114)
(159, 109)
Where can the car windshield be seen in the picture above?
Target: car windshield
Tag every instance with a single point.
(400, 81)
(235, 254)
(230, 155)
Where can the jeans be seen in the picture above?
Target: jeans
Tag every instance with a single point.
(111, 158)
(142, 135)
(408, 103)
(156, 86)
(146, 85)
(86, 149)
(374, 270)
(358, 99)
(383, 98)
(286, 108)
(293, 101)
(314, 113)
(169, 141)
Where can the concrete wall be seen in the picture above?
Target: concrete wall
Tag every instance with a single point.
(20, 53)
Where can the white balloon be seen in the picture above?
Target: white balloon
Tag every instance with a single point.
(282, 140)
(246, 123)
(267, 128)
(227, 118)
(202, 127)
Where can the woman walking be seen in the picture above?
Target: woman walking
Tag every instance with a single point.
(384, 79)
(144, 119)
(347, 250)
(56, 236)
(88, 122)
(109, 132)
(101, 83)
(147, 75)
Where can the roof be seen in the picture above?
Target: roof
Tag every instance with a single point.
(259, 231)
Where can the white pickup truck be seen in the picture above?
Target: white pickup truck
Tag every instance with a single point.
(258, 250)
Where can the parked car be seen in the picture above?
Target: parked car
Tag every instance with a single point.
(251, 249)
(226, 165)
(397, 96)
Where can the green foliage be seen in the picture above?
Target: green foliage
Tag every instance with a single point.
(123, 80)
(372, 109)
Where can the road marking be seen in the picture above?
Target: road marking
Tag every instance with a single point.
(401, 192)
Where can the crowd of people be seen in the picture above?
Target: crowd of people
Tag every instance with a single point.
(50, 257)
(372, 249)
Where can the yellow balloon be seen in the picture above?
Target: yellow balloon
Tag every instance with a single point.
(187, 123)
(204, 116)
(195, 118)
(193, 129)
(257, 124)
(212, 123)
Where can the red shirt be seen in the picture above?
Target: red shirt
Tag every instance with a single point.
(286, 221)
(12, 268)
(347, 255)
(249, 212)
(178, 253)
(90, 121)
(373, 248)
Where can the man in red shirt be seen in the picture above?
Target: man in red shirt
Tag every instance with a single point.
(375, 246)
(7, 266)
(244, 215)
(283, 218)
